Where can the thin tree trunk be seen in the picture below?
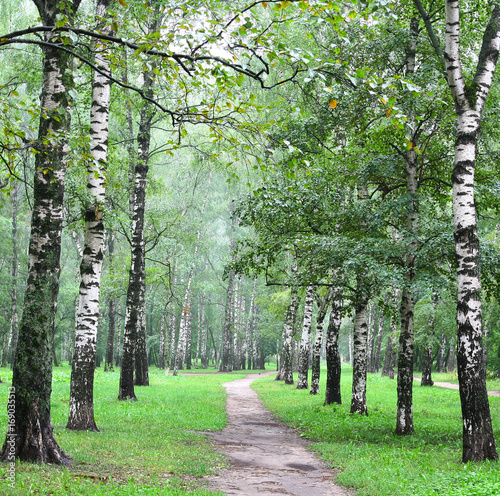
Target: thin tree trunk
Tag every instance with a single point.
(404, 416)
(371, 320)
(288, 335)
(428, 355)
(110, 347)
(161, 351)
(316, 354)
(305, 342)
(380, 336)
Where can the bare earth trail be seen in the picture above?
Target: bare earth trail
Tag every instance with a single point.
(267, 457)
(450, 385)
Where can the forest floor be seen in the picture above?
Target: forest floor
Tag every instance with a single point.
(266, 457)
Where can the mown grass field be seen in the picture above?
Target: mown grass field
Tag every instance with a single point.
(369, 457)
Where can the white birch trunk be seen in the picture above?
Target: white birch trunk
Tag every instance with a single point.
(305, 341)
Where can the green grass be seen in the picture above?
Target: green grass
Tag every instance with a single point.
(369, 457)
(146, 447)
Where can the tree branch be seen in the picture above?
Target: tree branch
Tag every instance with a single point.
(432, 35)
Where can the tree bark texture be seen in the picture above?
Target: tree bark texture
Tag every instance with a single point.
(288, 335)
(404, 415)
(333, 363)
(134, 356)
(30, 437)
(428, 355)
(305, 342)
(225, 364)
(81, 402)
(360, 341)
(478, 440)
(14, 323)
(318, 339)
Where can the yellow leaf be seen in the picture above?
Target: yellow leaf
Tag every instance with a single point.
(388, 112)
(410, 144)
(123, 3)
(382, 100)
(333, 103)
(264, 4)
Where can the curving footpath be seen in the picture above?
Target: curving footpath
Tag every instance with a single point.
(266, 457)
(450, 385)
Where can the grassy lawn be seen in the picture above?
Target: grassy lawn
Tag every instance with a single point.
(369, 457)
(144, 448)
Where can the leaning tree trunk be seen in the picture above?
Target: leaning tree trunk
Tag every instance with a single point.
(316, 354)
(305, 342)
(81, 399)
(30, 435)
(333, 364)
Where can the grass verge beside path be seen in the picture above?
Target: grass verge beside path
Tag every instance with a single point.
(369, 457)
(144, 448)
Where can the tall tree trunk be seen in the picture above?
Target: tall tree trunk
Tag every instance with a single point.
(134, 355)
(30, 435)
(469, 99)
(333, 364)
(14, 324)
(81, 399)
(404, 416)
(305, 342)
(360, 338)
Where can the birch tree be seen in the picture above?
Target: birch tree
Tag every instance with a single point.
(81, 403)
(32, 431)
(469, 97)
(305, 341)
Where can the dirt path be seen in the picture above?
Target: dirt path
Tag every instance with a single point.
(450, 385)
(267, 458)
